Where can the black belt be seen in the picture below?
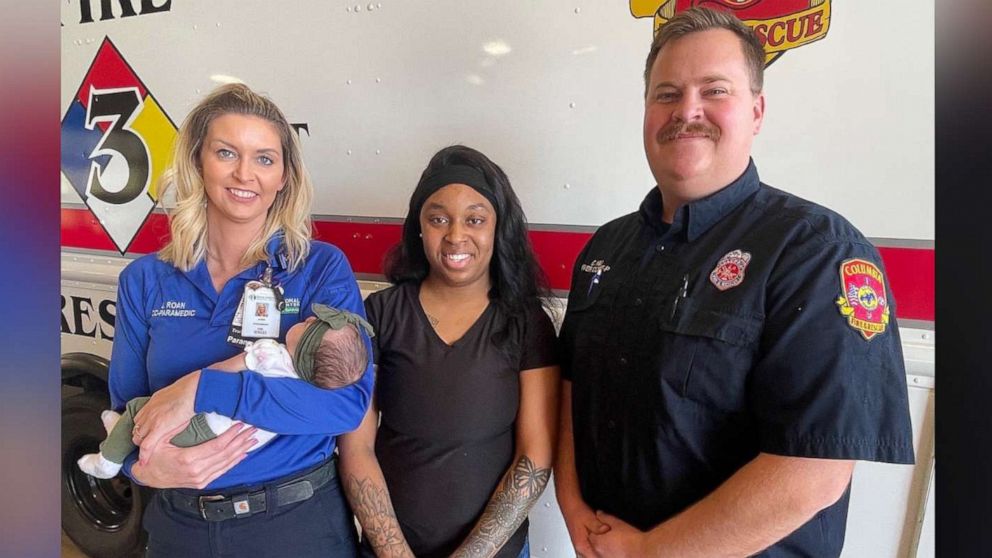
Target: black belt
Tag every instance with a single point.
(218, 507)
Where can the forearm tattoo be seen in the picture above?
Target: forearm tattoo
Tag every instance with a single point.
(374, 510)
(506, 510)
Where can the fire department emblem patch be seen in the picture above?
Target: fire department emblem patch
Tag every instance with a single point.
(116, 142)
(781, 25)
(863, 301)
(729, 271)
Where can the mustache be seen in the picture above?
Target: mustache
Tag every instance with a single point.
(673, 130)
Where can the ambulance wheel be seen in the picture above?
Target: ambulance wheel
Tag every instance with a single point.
(103, 517)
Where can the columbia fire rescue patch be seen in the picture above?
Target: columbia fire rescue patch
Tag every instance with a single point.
(780, 25)
(729, 271)
(116, 142)
(863, 301)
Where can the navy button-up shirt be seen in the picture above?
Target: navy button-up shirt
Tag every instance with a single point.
(755, 322)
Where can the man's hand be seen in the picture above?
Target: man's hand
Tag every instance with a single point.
(620, 539)
(165, 414)
(582, 522)
(198, 466)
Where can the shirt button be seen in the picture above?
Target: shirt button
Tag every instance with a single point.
(638, 301)
(623, 361)
(660, 248)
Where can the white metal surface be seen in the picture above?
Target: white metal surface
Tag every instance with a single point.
(551, 90)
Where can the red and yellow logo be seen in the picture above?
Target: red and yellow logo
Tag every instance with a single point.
(781, 25)
(863, 299)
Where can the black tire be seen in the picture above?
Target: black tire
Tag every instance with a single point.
(103, 517)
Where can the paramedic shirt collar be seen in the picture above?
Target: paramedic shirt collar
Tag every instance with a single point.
(698, 216)
(200, 275)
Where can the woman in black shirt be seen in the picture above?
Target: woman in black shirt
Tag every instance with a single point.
(467, 381)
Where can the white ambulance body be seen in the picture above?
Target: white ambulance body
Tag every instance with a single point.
(553, 92)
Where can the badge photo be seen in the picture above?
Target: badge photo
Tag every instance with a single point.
(262, 319)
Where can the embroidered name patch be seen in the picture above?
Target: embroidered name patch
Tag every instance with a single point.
(174, 309)
(729, 271)
(596, 266)
(862, 299)
(292, 306)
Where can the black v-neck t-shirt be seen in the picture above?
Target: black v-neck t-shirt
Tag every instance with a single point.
(448, 413)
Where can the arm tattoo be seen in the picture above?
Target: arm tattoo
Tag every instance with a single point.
(374, 510)
(506, 510)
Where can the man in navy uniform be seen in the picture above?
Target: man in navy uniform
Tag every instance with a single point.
(729, 349)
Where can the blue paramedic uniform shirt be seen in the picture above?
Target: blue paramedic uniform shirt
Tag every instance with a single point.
(170, 323)
(755, 322)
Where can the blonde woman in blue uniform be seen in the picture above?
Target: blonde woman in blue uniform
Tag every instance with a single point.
(242, 215)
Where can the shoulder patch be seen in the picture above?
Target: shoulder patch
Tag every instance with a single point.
(862, 300)
(729, 271)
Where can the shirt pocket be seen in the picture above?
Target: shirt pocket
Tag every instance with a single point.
(584, 328)
(707, 354)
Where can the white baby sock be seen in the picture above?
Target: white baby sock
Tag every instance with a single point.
(95, 465)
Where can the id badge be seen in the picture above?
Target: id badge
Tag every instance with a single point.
(259, 312)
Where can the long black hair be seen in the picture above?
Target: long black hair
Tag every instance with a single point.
(518, 282)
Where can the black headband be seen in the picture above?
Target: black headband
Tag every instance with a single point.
(458, 174)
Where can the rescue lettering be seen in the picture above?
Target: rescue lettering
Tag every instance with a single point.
(83, 318)
(126, 9)
(790, 31)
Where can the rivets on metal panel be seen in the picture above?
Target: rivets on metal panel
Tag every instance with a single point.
(378, 80)
(368, 237)
(378, 152)
(349, 152)
(577, 10)
(567, 186)
(356, 235)
(371, 6)
(571, 105)
(218, 24)
(358, 8)
(348, 82)
(195, 27)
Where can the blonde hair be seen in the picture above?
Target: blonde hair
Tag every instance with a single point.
(290, 212)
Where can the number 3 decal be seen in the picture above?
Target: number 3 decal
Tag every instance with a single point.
(119, 107)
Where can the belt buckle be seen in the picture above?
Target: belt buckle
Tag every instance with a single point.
(204, 499)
